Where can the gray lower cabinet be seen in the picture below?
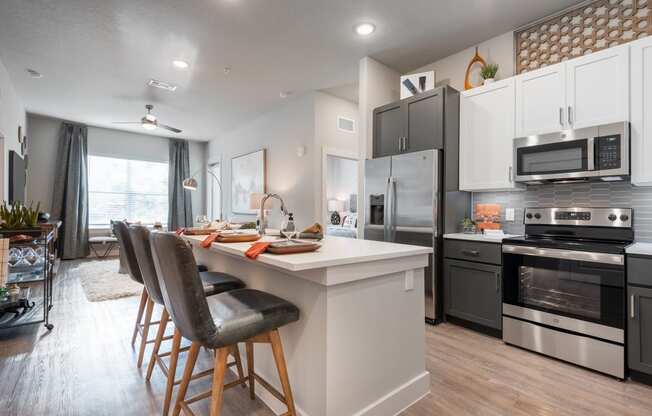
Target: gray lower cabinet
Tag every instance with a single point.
(639, 339)
(472, 291)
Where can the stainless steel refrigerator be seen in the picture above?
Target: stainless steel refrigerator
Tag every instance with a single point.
(405, 203)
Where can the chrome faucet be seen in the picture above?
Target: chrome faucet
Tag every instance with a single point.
(262, 210)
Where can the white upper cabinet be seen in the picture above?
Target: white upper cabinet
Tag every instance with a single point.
(486, 137)
(641, 117)
(541, 101)
(598, 88)
(582, 92)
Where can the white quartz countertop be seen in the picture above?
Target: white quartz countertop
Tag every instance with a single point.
(334, 251)
(644, 249)
(479, 237)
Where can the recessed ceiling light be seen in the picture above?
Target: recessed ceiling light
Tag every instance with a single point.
(365, 29)
(34, 73)
(180, 64)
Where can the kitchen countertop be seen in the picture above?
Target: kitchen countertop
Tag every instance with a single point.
(644, 249)
(479, 237)
(334, 251)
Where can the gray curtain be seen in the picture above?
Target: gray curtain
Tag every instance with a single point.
(180, 205)
(70, 200)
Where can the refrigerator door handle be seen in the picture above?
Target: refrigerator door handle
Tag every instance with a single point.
(392, 204)
(386, 210)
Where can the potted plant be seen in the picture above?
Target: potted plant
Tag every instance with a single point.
(488, 73)
(468, 226)
(19, 219)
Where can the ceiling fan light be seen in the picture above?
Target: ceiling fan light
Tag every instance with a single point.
(149, 126)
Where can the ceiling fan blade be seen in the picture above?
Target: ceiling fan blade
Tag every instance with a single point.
(172, 129)
(126, 122)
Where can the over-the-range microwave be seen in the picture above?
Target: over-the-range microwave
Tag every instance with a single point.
(592, 153)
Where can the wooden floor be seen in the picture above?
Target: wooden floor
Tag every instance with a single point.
(86, 366)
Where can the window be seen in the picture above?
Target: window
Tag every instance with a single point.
(119, 189)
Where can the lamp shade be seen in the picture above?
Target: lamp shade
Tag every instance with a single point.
(255, 199)
(190, 184)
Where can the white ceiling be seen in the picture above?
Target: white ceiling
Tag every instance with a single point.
(96, 55)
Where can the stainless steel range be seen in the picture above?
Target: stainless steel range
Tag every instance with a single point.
(564, 285)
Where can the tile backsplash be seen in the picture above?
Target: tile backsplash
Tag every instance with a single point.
(593, 194)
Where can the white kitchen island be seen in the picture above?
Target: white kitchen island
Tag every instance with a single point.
(359, 345)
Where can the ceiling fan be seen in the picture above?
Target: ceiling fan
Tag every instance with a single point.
(149, 121)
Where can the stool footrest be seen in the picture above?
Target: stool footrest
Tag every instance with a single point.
(270, 388)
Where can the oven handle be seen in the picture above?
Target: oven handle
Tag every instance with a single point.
(553, 253)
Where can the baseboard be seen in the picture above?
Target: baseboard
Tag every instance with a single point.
(393, 402)
(390, 404)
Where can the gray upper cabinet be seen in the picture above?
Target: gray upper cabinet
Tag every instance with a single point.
(388, 129)
(425, 124)
(414, 124)
(639, 348)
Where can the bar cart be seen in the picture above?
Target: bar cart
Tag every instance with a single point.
(29, 282)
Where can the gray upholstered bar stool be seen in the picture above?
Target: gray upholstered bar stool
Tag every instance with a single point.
(220, 282)
(219, 322)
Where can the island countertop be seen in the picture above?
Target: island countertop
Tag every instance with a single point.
(334, 251)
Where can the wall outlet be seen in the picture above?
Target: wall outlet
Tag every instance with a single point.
(409, 280)
(509, 214)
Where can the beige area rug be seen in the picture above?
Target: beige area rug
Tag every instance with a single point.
(101, 281)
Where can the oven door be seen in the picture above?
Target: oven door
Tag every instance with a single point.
(582, 286)
(539, 160)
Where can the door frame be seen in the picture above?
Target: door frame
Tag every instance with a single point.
(343, 154)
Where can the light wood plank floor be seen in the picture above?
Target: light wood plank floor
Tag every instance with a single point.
(86, 366)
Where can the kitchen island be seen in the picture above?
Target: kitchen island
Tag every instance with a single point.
(359, 345)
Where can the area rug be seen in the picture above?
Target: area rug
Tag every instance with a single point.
(101, 281)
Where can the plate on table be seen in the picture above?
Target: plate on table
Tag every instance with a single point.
(292, 247)
(237, 236)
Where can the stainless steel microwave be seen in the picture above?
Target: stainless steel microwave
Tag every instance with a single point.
(592, 153)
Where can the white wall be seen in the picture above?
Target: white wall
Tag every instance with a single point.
(12, 115)
(451, 69)
(342, 178)
(281, 131)
(44, 133)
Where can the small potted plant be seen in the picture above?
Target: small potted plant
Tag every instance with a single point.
(468, 226)
(19, 219)
(488, 73)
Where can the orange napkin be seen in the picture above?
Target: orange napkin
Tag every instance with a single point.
(257, 249)
(180, 231)
(210, 239)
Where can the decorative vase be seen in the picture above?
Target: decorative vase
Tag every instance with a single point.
(488, 81)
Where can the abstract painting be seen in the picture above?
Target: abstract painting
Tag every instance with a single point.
(247, 177)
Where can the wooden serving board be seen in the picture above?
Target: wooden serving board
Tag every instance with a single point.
(285, 247)
(238, 238)
(199, 231)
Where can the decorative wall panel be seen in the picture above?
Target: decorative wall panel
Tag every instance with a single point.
(581, 31)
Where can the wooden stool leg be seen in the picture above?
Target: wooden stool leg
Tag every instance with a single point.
(146, 325)
(219, 371)
(163, 323)
(277, 350)
(238, 363)
(141, 308)
(250, 369)
(187, 374)
(172, 371)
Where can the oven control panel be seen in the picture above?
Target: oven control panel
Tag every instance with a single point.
(590, 217)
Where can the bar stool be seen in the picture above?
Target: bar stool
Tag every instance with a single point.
(219, 323)
(219, 283)
(121, 231)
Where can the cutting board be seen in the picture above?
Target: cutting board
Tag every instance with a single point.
(292, 247)
(238, 238)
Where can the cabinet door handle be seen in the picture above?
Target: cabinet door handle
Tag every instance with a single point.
(498, 279)
(561, 116)
(632, 307)
(474, 253)
(570, 116)
(406, 143)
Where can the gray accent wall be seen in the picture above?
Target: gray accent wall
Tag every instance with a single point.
(595, 194)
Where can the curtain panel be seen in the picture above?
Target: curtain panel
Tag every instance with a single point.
(180, 204)
(70, 192)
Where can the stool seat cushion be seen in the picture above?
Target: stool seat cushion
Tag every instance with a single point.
(217, 282)
(245, 313)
